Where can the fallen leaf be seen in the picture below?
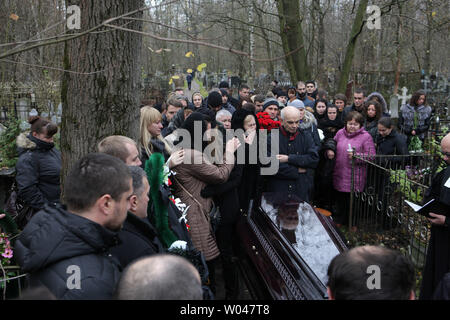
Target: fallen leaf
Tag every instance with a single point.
(189, 54)
(14, 16)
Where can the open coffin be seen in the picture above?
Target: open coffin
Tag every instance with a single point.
(285, 249)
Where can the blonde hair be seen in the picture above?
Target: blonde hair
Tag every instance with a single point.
(248, 118)
(150, 115)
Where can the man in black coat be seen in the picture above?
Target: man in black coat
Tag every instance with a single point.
(138, 237)
(68, 250)
(297, 152)
(438, 254)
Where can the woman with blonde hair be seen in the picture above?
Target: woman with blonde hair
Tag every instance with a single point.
(151, 140)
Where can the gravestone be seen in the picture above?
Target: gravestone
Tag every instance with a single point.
(404, 97)
(393, 106)
(23, 109)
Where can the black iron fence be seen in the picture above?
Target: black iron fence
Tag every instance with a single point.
(378, 210)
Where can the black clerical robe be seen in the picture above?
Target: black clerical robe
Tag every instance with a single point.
(438, 255)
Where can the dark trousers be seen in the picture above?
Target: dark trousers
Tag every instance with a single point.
(224, 236)
(342, 202)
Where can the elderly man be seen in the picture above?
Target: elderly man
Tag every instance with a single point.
(297, 153)
(438, 254)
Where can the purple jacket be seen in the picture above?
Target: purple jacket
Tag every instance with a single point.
(362, 143)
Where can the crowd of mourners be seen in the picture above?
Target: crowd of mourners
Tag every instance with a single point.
(133, 199)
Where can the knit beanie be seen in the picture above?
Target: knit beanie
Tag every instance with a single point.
(296, 103)
(269, 102)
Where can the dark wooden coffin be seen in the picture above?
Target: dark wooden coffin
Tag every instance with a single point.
(284, 249)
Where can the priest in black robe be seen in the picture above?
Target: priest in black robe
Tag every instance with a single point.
(438, 255)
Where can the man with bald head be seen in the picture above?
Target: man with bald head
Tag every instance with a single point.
(160, 277)
(371, 273)
(438, 254)
(297, 152)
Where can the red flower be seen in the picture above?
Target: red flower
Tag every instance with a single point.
(169, 183)
(265, 122)
(188, 227)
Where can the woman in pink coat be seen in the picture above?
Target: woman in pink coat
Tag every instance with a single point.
(352, 139)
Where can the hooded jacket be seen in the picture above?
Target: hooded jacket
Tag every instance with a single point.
(37, 171)
(57, 246)
(362, 143)
(383, 102)
(309, 123)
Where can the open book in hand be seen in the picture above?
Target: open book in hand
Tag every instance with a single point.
(434, 206)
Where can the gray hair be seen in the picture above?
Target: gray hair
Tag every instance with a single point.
(137, 174)
(222, 113)
(287, 109)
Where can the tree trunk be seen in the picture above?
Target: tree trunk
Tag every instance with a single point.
(292, 39)
(106, 102)
(350, 51)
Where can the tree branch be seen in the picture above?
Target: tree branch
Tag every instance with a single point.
(206, 44)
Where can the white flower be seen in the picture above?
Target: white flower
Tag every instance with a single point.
(183, 215)
(179, 244)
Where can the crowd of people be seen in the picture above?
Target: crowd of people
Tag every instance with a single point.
(137, 200)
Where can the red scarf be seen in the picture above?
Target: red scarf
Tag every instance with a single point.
(288, 134)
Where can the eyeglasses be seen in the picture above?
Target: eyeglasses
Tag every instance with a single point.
(293, 122)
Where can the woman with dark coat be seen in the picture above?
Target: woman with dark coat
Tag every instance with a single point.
(372, 113)
(192, 177)
(39, 165)
(390, 142)
(332, 122)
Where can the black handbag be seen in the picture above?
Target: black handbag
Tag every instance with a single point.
(19, 210)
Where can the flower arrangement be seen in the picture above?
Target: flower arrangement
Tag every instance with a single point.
(265, 122)
(6, 251)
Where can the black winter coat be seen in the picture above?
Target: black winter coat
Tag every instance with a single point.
(303, 153)
(323, 179)
(392, 144)
(37, 171)
(138, 239)
(56, 244)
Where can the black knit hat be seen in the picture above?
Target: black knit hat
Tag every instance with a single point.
(269, 102)
(214, 99)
